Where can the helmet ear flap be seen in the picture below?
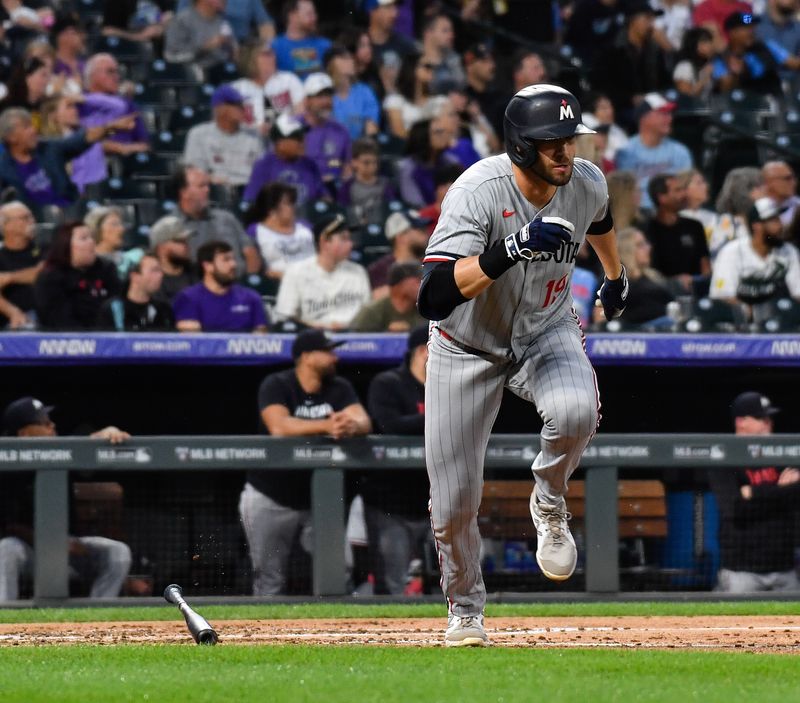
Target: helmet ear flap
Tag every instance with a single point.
(523, 154)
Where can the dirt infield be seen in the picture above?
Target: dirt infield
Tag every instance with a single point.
(764, 634)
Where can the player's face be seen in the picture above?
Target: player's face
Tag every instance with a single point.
(676, 194)
(224, 268)
(697, 190)
(773, 232)
(341, 244)
(286, 211)
(754, 425)
(323, 362)
(556, 157)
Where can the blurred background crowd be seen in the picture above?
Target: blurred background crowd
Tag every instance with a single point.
(249, 165)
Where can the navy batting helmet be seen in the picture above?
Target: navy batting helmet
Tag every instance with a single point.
(540, 112)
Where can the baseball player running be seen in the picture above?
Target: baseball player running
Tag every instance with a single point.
(496, 285)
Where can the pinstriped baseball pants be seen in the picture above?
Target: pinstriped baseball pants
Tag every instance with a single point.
(462, 398)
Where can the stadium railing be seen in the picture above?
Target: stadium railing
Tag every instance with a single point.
(53, 459)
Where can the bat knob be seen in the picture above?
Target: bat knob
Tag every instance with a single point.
(207, 637)
(170, 591)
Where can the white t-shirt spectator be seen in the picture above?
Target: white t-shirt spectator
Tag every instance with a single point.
(314, 296)
(278, 250)
(284, 92)
(677, 18)
(726, 228)
(737, 260)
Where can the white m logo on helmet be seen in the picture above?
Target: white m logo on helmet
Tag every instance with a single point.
(565, 113)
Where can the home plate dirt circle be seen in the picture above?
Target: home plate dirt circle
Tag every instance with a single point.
(757, 633)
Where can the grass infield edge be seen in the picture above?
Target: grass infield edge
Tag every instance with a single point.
(395, 610)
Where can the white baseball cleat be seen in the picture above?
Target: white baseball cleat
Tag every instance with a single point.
(465, 631)
(556, 553)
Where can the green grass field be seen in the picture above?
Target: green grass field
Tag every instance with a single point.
(425, 610)
(325, 674)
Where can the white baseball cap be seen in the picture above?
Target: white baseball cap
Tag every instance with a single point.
(316, 83)
(399, 222)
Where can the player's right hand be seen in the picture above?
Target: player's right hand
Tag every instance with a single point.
(547, 234)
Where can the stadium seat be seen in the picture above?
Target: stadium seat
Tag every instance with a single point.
(89, 8)
(124, 50)
(753, 102)
(391, 145)
(159, 96)
(263, 285)
(51, 214)
(128, 189)
(616, 326)
(196, 95)
(150, 116)
(786, 317)
(146, 166)
(222, 73)
(227, 197)
(712, 315)
(167, 142)
(177, 74)
(183, 119)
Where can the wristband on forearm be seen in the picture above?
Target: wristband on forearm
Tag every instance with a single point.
(494, 262)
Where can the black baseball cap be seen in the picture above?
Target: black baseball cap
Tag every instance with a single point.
(739, 19)
(68, 20)
(23, 412)
(640, 7)
(329, 224)
(753, 404)
(478, 51)
(313, 340)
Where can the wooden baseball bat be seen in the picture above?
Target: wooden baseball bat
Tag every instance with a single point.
(201, 630)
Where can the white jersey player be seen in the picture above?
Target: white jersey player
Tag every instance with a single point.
(497, 288)
(760, 268)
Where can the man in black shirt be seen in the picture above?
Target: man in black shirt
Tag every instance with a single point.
(308, 400)
(680, 250)
(169, 241)
(388, 47)
(20, 263)
(100, 561)
(138, 311)
(749, 63)
(396, 503)
(481, 69)
(633, 64)
(757, 510)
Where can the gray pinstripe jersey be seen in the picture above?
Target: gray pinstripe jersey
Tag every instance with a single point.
(483, 206)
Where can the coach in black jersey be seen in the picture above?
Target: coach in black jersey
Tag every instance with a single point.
(308, 400)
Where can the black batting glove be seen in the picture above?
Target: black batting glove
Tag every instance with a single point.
(545, 235)
(613, 295)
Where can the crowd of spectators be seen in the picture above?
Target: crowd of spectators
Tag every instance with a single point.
(177, 164)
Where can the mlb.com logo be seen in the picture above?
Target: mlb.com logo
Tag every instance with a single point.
(67, 347)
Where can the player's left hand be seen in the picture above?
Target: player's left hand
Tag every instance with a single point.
(613, 295)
